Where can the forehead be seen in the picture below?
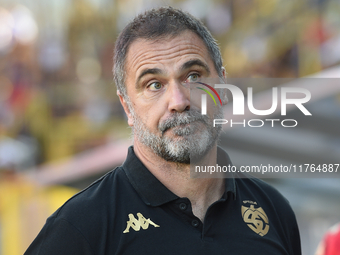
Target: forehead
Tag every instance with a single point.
(165, 50)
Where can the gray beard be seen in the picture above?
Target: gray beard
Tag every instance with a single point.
(192, 142)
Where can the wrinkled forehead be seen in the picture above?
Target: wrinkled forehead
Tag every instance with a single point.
(163, 48)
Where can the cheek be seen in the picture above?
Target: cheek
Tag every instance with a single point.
(197, 103)
(195, 99)
(150, 114)
(150, 110)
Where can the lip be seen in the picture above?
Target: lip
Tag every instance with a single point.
(180, 126)
(176, 127)
(192, 128)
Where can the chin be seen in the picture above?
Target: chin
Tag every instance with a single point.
(187, 148)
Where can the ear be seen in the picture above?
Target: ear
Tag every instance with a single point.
(224, 96)
(224, 73)
(126, 108)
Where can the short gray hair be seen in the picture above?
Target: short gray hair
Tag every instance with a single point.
(155, 24)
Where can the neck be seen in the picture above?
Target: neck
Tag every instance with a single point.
(201, 192)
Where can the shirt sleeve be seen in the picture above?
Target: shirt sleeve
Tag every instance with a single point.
(58, 236)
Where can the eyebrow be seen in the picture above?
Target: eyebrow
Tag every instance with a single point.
(148, 71)
(186, 65)
(195, 62)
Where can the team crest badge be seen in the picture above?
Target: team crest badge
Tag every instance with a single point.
(255, 218)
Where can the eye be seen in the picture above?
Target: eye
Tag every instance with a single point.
(155, 86)
(194, 77)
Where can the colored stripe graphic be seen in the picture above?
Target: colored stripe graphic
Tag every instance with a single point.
(212, 89)
(208, 93)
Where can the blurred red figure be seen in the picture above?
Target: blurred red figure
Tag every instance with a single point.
(330, 245)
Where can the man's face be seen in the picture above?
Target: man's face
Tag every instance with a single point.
(158, 74)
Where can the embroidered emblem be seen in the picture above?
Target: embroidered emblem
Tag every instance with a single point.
(137, 224)
(256, 219)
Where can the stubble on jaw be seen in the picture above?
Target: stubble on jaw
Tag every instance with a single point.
(187, 146)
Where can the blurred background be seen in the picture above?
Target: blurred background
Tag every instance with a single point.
(62, 126)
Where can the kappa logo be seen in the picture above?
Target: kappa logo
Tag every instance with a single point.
(136, 224)
(256, 219)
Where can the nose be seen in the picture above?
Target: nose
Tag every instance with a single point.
(179, 98)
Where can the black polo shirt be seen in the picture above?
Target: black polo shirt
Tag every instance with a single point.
(128, 211)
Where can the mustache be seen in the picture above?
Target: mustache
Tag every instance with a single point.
(177, 119)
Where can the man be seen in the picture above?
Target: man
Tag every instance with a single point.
(150, 205)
